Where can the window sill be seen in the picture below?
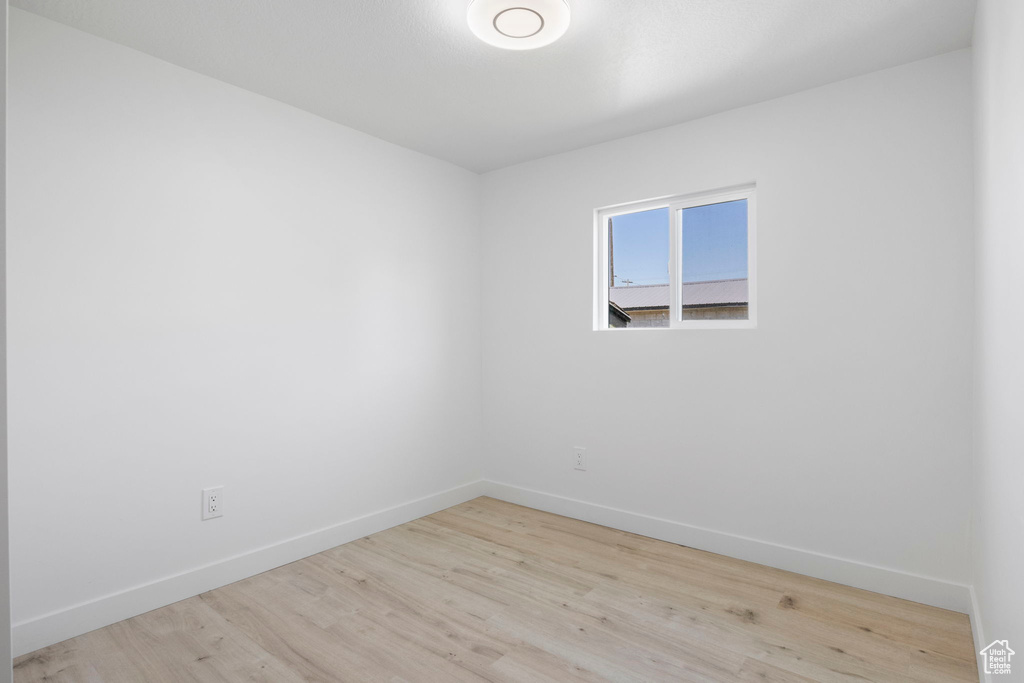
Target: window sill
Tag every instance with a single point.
(690, 325)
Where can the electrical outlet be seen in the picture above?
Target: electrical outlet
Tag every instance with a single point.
(579, 458)
(213, 502)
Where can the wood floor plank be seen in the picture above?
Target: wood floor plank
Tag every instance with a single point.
(183, 641)
(490, 591)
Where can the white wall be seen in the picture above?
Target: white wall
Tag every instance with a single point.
(5, 593)
(842, 424)
(209, 287)
(998, 523)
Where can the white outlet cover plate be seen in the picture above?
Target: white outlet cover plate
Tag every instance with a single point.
(213, 502)
(579, 458)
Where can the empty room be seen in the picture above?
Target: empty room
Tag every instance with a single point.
(512, 340)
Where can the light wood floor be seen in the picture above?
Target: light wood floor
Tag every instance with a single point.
(493, 591)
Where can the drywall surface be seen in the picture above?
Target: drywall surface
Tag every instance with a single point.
(5, 593)
(842, 424)
(206, 288)
(998, 522)
(412, 72)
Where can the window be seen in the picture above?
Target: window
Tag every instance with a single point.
(681, 262)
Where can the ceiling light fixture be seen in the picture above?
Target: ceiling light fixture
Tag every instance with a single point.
(518, 24)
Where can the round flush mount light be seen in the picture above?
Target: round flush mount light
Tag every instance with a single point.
(519, 24)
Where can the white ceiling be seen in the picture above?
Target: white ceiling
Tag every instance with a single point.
(410, 71)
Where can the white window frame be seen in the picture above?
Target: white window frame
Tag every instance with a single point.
(675, 205)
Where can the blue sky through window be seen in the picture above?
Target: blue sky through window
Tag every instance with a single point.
(714, 244)
(640, 248)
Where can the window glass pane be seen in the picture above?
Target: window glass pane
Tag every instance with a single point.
(714, 247)
(638, 251)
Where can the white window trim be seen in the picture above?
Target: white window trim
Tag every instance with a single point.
(675, 204)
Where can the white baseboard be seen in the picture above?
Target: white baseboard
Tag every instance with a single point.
(74, 621)
(979, 637)
(67, 623)
(923, 589)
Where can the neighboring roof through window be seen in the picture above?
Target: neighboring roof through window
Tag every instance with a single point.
(708, 293)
